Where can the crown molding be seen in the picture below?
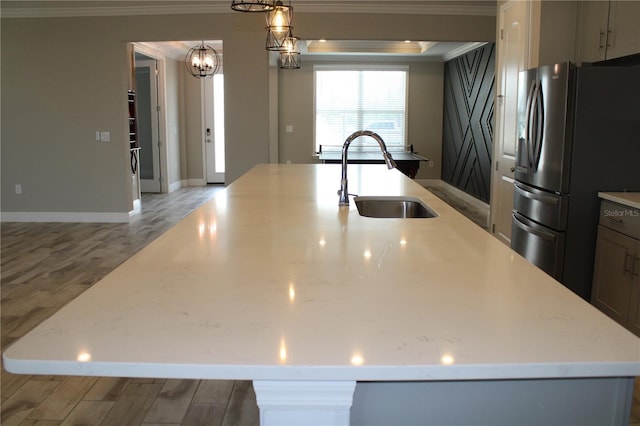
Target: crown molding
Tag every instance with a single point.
(400, 9)
(60, 12)
(9, 11)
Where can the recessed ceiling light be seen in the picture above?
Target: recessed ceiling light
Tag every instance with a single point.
(322, 40)
(407, 41)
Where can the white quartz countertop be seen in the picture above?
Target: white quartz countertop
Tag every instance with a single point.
(271, 280)
(630, 199)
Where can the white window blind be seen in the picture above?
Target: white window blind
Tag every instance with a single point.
(348, 100)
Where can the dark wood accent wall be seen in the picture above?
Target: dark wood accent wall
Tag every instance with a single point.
(468, 121)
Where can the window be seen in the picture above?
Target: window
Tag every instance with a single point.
(360, 98)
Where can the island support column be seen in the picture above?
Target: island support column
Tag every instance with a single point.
(303, 403)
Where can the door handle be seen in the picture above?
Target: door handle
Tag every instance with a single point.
(615, 219)
(512, 169)
(547, 199)
(539, 125)
(529, 124)
(626, 267)
(538, 233)
(601, 44)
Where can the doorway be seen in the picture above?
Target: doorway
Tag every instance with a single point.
(213, 109)
(183, 153)
(513, 51)
(148, 130)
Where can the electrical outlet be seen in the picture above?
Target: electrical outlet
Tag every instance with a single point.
(431, 163)
(18, 188)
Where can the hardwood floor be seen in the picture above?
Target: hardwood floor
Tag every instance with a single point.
(46, 265)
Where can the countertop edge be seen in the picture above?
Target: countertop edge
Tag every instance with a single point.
(630, 199)
(325, 372)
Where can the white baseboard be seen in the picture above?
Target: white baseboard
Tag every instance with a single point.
(176, 185)
(196, 182)
(88, 217)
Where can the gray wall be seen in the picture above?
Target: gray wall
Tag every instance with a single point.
(50, 114)
(424, 119)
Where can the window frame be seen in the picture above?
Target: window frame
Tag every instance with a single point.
(363, 67)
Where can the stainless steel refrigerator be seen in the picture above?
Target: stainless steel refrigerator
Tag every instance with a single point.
(579, 133)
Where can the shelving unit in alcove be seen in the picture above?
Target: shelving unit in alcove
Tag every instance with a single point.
(134, 147)
(133, 130)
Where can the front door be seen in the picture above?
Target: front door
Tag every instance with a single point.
(147, 99)
(214, 128)
(512, 53)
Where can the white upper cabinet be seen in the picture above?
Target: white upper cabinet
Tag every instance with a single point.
(624, 27)
(607, 29)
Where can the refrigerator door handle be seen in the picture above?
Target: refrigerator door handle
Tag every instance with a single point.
(529, 127)
(539, 109)
(546, 199)
(538, 233)
(525, 143)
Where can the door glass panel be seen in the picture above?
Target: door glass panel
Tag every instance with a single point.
(143, 89)
(218, 111)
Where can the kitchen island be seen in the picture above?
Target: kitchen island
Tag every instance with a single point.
(434, 319)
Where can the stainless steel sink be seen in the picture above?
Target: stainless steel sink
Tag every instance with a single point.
(393, 207)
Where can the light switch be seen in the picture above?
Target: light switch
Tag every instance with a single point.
(289, 129)
(105, 136)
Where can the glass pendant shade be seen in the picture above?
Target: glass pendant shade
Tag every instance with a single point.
(202, 61)
(290, 55)
(289, 60)
(278, 26)
(290, 44)
(276, 39)
(252, 6)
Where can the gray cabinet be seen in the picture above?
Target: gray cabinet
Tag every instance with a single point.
(607, 30)
(616, 280)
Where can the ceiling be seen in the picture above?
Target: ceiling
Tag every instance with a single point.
(52, 8)
(311, 49)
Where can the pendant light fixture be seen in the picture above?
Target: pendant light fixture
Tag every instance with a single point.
(202, 61)
(290, 56)
(279, 26)
(252, 6)
(280, 38)
(289, 60)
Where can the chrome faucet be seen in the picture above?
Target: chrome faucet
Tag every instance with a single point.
(344, 192)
